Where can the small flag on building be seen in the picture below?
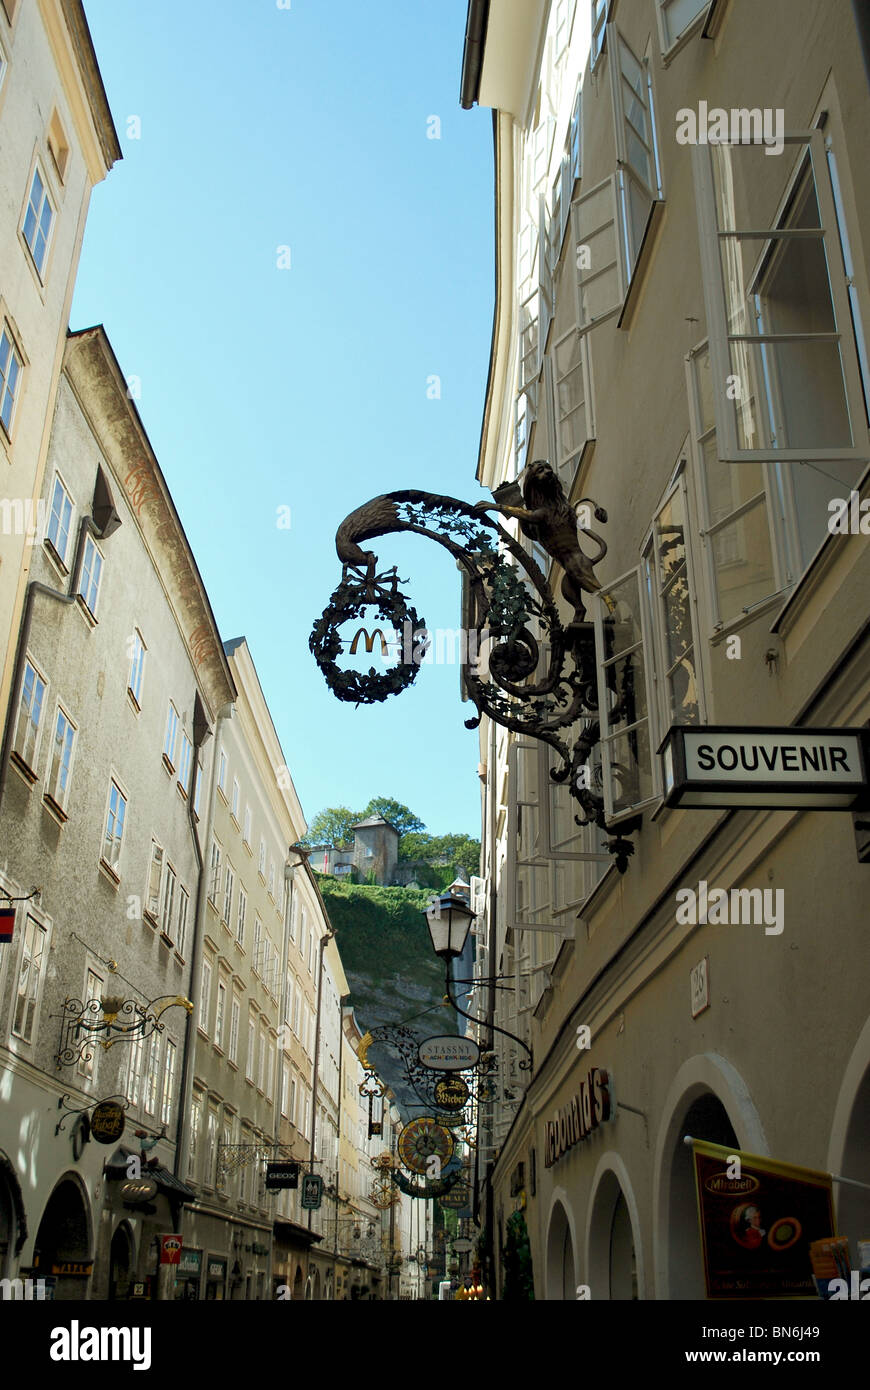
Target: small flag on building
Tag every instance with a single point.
(7, 923)
(757, 1218)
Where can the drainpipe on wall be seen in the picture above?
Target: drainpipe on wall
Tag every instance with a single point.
(185, 1092)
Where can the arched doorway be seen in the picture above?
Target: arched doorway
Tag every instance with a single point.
(853, 1203)
(121, 1262)
(63, 1241)
(298, 1283)
(561, 1266)
(705, 1118)
(13, 1225)
(613, 1262)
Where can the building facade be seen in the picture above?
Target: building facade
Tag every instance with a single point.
(680, 329)
(119, 681)
(57, 141)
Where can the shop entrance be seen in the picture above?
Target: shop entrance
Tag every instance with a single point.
(63, 1243)
(121, 1262)
(561, 1281)
(706, 1118)
(12, 1225)
(612, 1255)
(853, 1210)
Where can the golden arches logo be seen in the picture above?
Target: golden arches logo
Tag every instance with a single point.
(369, 641)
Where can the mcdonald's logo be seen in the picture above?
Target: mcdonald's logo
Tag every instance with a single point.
(369, 641)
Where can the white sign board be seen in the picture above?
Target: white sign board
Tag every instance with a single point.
(765, 767)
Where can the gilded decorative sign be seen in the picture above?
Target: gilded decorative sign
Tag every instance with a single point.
(107, 1122)
(420, 1141)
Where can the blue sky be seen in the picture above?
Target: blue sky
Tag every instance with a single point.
(306, 387)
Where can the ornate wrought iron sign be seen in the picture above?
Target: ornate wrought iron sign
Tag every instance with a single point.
(538, 677)
(104, 1022)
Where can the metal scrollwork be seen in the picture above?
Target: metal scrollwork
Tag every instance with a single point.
(526, 670)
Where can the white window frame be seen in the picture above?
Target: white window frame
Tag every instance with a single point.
(170, 738)
(234, 805)
(94, 987)
(181, 923)
(246, 832)
(251, 1060)
(256, 957)
(154, 885)
(672, 43)
(54, 792)
(40, 266)
(261, 860)
(580, 235)
(205, 994)
(137, 668)
(600, 18)
(152, 1076)
(650, 189)
(214, 871)
(113, 864)
(717, 313)
(220, 1013)
(90, 595)
(222, 774)
(58, 524)
(185, 761)
(654, 595)
(168, 890)
(645, 647)
(229, 887)
(169, 1067)
(235, 1023)
(9, 393)
(31, 758)
(241, 915)
(32, 990)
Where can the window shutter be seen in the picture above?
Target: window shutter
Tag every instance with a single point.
(600, 283)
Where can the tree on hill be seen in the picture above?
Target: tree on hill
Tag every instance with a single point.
(402, 817)
(332, 826)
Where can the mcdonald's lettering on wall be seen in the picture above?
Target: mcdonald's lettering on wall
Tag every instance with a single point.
(589, 1108)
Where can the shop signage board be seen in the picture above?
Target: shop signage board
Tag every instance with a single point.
(190, 1262)
(462, 1245)
(78, 1269)
(136, 1190)
(7, 924)
(280, 1175)
(451, 1092)
(107, 1122)
(756, 1225)
(312, 1191)
(170, 1249)
(766, 768)
(449, 1053)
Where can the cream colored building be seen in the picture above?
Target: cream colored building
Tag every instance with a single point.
(681, 330)
(57, 141)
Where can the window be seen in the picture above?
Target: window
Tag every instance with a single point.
(288, 1003)
(235, 801)
(152, 1075)
(285, 1088)
(220, 1013)
(229, 885)
(787, 384)
(61, 759)
(599, 258)
(205, 996)
(134, 1071)
(735, 515)
(155, 878)
(168, 1082)
(222, 772)
(60, 520)
(600, 12)
(10, 372)
(270, 1074)
(252, 1048)
(271, 878)
(291, 1103)
(638, 176)
(137, 663)
(168, 900)
(256, 963)
(184, 763)
(93, 991)
(246, 834)
(211, 1148)
(669, 584)
(677, 21)
(38, 218)
(92, 568)
(29, 715)
(3, 66)
(197, 786)
(568, 367)
(214, 883)
(29, 979)
(114, 835)
(261, 861)
(261, 1073)
(240, 920)
(181, 928)
(296, 1005)
(235, 1015)
(621, 641)
(195, 1121)
(170, 742)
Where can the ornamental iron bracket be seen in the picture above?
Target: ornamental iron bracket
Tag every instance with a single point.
(95, 1023)
(524, 668)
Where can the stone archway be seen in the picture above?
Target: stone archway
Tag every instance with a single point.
(707, 1100)
(64, 1240)
(298, 1283)
(849, 1148)
(614, 1252)
(561, 1264)
(13, 1221)
(122, 1261)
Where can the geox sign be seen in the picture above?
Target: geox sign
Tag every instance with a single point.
(584, 1113)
